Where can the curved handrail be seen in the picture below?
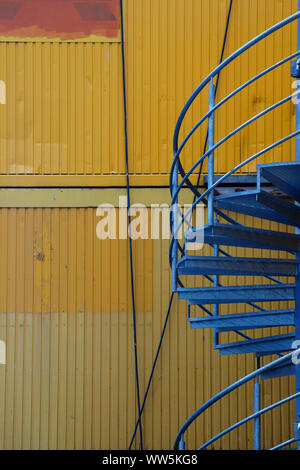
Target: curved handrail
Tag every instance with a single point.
(176, 164)
(224, 100)
(176, 187)
(228, 390)
(283, 444)
(223, 64)
(249, 418)
(230, 172)
(228, 136)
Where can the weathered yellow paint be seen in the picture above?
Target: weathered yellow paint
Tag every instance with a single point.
(65, 312)
(95, 181)
(65, 308)
(86, 197)
(92, 38)
(64, 112)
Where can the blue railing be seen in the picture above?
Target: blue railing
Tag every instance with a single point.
(207, 198)
(179, 441)
(176, 168)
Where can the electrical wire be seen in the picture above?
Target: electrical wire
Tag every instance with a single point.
(129, 230)
(172, 295)
(154, 365)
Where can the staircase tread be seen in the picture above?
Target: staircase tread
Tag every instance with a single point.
(262, 204)
(244, 228)
(238, 194)
(237, 294)
(265, 345)
(222, 265)
(233, 259)
(244, 315)
(254, 197)
(226, 288)
(244, 236)
(284, 175)
(245, 321)
(264, 339)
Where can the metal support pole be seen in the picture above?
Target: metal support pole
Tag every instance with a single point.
(216, 306)
(257, 439)
(181, 443)
(210, 180)
(211, 141)
(174, 210)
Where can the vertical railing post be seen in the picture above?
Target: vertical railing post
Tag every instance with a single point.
(181, 443)
(257, 440)
(210, 181)
(216, 306)
(174, 215)
(211, 141)
(297, 280)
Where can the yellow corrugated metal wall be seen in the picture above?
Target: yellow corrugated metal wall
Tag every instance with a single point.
(64, 101)
(69, 381)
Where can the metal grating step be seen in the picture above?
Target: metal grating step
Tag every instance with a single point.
(245, 321)
(261, 204)
(233, 235)
(285, 176)
(269, 344)
(285, 369)
(197, 265)
(237, 294)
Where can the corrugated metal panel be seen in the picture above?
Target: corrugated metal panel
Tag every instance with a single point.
(64, 295)
(64, 101)
(64, 109)
(65, 316)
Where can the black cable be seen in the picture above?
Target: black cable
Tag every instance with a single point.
(171, 299)
(129, 231)
(154, 364)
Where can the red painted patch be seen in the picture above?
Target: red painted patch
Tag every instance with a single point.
(59, 19)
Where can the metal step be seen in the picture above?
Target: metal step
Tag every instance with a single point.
(285, 176)
(287, 210)
(261, 204)
(269, 344)
(285, 369)
(234, 235)
(245, 321)
(222, 265)
(237, 294)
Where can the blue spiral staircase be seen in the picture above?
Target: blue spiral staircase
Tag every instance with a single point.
(280, 273)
